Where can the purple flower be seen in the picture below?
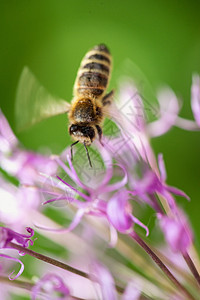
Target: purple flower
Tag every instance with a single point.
(95, 196)
(48, 286)
(6, 236)
(25, 165)
(177, 231)
(153, 182)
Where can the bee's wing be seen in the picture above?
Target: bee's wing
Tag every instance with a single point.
(134, 95)
(34, 103)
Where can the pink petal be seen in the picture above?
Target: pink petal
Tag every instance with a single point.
(132, 292)
(161, 165)
(169, 109)
(113, 237)
(103, 276)
(177, 192)
(6, 131)
(135, 220)
(117, 212)
(78, 216)
(71, 172)
(77, 191)
(195, 101)
(118, 185)
(108, 164)
(177, 232)
(16, 260)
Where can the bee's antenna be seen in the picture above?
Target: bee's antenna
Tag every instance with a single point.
(71, 149)
(87, 154)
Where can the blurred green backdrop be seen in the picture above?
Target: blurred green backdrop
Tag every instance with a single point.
(51, 37)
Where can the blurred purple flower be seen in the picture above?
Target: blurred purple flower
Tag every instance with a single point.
(50, 285)
(17, 204)
(25, 165)
(177, 231)
(102, 275)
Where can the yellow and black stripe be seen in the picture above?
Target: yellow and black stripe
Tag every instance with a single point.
(94, 72)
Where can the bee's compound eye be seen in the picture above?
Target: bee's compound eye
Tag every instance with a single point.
(73, 128)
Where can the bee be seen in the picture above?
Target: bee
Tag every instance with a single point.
(86, 112)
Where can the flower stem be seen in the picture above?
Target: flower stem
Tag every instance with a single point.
(47, 259)
(191, 266)
(54, 262)
(161, 265)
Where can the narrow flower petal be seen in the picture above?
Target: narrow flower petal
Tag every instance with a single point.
(177, 192)
(136, 221)
(103, 276)
(177, 232)
(117, 211)
(118, 185)
(6, 131)
(195, 95)
(77, 191)
(113, 237)
(161, 165)
(7, 235)
(77, 218)
(16, 260)
(108, 164)
(169, 108)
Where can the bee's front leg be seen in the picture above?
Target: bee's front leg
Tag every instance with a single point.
(107, 99)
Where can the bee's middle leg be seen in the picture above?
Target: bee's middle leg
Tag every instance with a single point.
(107, 99)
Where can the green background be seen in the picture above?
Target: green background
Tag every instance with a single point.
(161, 37)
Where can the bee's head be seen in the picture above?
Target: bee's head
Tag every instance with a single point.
(82, 133)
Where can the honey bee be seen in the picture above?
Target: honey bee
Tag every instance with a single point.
(86, 112)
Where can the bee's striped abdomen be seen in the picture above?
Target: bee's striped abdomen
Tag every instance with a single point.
(93, 75)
